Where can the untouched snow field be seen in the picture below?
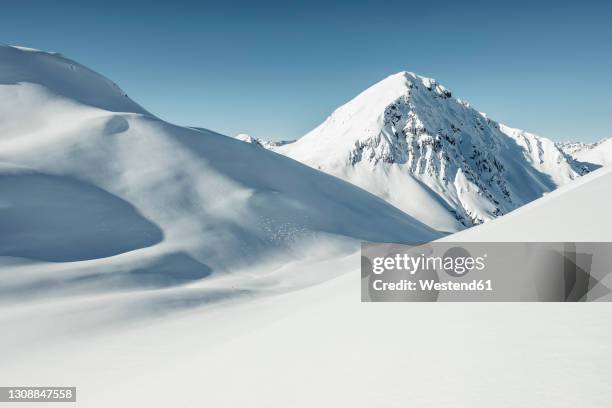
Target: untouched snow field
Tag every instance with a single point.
(153, 265)
(321, 347)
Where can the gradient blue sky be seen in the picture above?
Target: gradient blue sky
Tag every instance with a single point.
(276, 69)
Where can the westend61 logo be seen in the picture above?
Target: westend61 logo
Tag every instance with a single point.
(485, 271)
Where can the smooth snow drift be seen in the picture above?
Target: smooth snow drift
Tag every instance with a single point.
(322, 347)
(62, 77)
(62, 219)
(87, 173)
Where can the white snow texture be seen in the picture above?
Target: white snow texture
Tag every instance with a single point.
(156, 265)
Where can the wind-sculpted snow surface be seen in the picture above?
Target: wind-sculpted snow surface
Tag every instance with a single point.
(409, 141)
(321, 347)
(60, 219)
(89, 174)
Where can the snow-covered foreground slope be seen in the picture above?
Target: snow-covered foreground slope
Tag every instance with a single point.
(407, 140)
(578, 212)
(321, 347)
(88, 175)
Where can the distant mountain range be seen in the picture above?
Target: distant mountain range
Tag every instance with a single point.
(589, 155)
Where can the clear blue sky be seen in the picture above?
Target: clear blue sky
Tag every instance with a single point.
(275, 69)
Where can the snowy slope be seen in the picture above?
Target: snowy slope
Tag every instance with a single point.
(86, 174)
(577, 212)
(174, 346)
(409, 141)
(62, 77)
(321, 347)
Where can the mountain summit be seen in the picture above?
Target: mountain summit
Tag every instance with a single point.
(408, 140)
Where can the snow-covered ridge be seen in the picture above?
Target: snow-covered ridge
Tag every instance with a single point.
(408, 140)
(244, 137)
(573, 148)
(89, 175)
(590, 155)
(64, 78)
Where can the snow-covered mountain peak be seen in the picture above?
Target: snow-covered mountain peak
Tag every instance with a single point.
(271, 145)
(413, 126)
(366, 126)
(245, 137)
(403, 81)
